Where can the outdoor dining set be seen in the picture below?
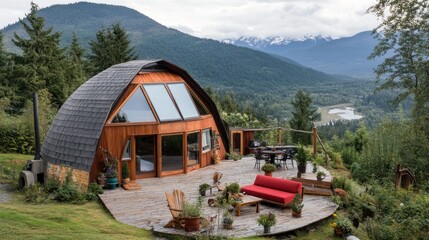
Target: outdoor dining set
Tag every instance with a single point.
(277, 155)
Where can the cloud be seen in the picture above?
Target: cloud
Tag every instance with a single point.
(220, 19)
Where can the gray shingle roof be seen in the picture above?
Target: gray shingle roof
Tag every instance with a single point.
(73, 137)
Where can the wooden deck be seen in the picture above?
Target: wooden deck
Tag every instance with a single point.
(147, 208)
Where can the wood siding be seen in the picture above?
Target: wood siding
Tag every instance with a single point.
(115, 136)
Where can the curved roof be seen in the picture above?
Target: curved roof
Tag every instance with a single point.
(73, 137)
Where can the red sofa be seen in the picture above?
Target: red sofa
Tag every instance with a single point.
(275, 190)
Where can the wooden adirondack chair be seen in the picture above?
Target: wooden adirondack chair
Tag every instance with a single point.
(175, 204)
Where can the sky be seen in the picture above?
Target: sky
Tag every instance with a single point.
(223, 19)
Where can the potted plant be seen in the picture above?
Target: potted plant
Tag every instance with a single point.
(227, 220)
(267, 221)
(320, 175)
(301, 157)
(102, 179)
(191, 213)
(297, 205)
(269, 168)
(342, 226)
(125, 174)
(203, 188)
(110, 169)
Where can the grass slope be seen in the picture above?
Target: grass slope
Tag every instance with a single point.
(63, 221)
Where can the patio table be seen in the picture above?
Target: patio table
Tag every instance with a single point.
(273, 154)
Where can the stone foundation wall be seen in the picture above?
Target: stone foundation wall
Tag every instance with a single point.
(78, 176)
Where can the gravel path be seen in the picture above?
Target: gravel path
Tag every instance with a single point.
(5, 196)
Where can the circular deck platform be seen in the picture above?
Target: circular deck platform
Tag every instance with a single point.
(147, 208)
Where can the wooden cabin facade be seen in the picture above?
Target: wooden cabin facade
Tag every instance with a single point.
(151, 115)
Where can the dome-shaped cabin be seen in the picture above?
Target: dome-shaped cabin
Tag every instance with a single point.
(151, 115)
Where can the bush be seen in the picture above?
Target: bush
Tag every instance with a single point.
(93, 190)
(234, 156)
(68, 192)
(232, 188)
(354, 168)
(35, 194)
(349, 155)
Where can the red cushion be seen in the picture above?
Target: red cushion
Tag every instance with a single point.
(269, 194)
(280, 184)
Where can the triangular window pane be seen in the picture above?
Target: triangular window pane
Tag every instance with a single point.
(136, 109)
(200, 107)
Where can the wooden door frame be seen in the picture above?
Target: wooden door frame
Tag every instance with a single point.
(134, 160)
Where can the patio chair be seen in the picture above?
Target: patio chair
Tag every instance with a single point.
(287, 156)
(258, 158)
(175, 204)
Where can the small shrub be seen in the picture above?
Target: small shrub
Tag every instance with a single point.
(268, 220)
(349, 155)
(34, 194)
(234, 156)
(93, 190)
(69, 193)
(203, 188)
(268, 167)
(232, 188)
(191, 209)
(354, 168)
(53, 184)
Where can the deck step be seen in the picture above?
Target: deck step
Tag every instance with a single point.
(313, 183)
(317, 191)
(132, 186)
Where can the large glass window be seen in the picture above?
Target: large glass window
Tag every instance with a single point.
(136, 109)
(206, 140)
(183, 100)
(162, 102)
(193, 148)
(126, 155)
(172, 152)
(145, 154)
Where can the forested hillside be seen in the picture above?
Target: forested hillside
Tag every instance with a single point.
(210, 62)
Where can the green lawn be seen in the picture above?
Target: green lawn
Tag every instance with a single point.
(63, 221)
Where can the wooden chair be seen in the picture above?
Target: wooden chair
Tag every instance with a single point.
(175, 204)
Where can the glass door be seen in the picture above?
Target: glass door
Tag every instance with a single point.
(193, 149)
(145, 156)
(172, 154)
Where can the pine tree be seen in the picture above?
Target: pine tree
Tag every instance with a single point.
(404, 37)
(42, 63)
(302, 117)
(5, 71)
(112, 46)
(76, 73)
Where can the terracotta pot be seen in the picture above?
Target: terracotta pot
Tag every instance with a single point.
(126, 181)
(192, 224)
(269, 174)
(338, 231)
(227, 225)
(296, 214)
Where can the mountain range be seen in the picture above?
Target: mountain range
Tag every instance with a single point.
(210, 62)
(343, 56)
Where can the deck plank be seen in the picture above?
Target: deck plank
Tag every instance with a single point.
(147, 208)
